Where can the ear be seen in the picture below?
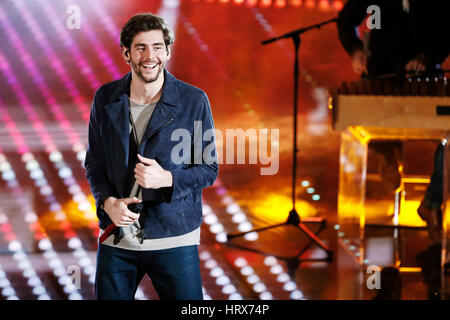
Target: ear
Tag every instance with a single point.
(125, 54)
(169, 53)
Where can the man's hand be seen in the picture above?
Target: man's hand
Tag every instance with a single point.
(360, 61)
(117, 210)
(149, 174)
(417, 64)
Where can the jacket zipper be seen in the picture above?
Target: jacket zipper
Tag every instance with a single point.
(155, 132)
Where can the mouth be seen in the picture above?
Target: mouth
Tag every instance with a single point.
(149, 66)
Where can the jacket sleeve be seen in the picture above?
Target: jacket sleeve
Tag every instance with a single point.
(95, 162)
(349, 18)
(204, 168)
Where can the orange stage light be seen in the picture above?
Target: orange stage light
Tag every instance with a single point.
(280, 3)
(266, 3)
(274, 208)
(310, 4)
(324, 5)
(295, 3)
(338, 5)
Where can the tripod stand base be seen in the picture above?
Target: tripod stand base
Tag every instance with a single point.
(294, 220)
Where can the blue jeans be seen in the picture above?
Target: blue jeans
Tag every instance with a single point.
(175, 273)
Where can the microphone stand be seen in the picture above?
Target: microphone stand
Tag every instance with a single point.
(294, 218)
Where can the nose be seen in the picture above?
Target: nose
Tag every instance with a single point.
(149, 54)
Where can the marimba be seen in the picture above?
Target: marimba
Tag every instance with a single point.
(413, 104)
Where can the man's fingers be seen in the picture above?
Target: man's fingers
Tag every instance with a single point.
(131, 215)
(124, 224)
(122, 205)
(123, 220)
(408, 66)
(359, 63)
(415, 65)
(126, 220)
(412, 64)
(364, 61)
(145, 160)
(357, 69)
(141, 182)
(140, 168)
(127, 201)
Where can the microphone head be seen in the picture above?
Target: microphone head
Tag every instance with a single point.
(136, 207)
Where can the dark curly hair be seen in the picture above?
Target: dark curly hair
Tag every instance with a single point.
(145, 22)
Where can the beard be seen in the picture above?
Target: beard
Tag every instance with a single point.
(147, 78)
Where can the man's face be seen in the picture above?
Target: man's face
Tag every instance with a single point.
(148, 55)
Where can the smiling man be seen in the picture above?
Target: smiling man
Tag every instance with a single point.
(149, 206)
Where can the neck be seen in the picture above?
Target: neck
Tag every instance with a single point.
(142, 92)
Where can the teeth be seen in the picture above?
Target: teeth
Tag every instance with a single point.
(149, 65)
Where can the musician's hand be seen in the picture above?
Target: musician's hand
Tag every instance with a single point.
(149, 174)
(117, 210)
(360, 61)
(415, 64)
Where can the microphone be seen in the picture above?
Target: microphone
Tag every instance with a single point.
(137, 208)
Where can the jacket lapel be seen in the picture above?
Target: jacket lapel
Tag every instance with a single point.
(118, 113)
(160, 117)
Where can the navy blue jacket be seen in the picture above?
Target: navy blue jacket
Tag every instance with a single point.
(168, 211)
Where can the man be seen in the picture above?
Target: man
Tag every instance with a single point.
(413, 37)
(149, 198)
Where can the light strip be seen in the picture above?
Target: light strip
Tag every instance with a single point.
(288, 284)
(36, 75)
(55, 63)
(258, 286)
(67, 41)
(28, 158)
(218, 273)
(44, 242)
(65, 36)
(5, 286)
(33, 117)
(239, 216)
(105, 19)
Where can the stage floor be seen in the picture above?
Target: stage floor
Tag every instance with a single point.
(239, 200)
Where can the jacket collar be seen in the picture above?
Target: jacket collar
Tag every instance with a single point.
(117, 109)
(170, 94)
